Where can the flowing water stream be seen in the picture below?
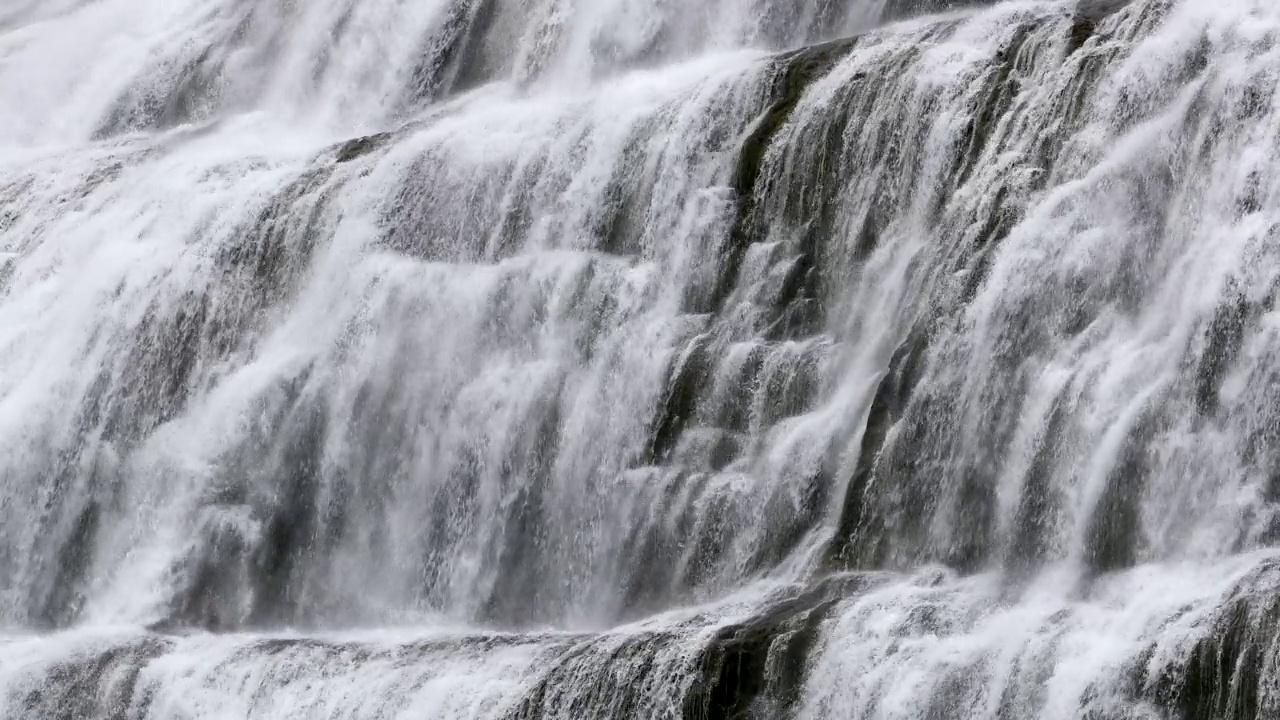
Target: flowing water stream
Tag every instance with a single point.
(520, 359)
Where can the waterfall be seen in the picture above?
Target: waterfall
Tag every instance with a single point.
(883, 359)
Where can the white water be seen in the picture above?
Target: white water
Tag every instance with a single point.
(379, 436)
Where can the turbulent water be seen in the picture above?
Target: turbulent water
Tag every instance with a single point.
(640, 359)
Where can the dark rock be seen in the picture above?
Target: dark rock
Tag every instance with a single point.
(518, 597)
(899, 9)
(100, 686)
(1114, 530)
(757, 669)
(586, 682)
(1037, 508)
(796, 71)
(1227, 672)
(191, 95)
(352, 149)
(1088, 14)
(453, 59)
(1223, 339)
(689, 375)
(77, 551)
(887, 407)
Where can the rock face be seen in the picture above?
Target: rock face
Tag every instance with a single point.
(1098, 9)
(1087, 16)
(899, 9)
(613, 370)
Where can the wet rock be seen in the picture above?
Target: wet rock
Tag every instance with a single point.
(602, 679)
(796, 71)
(101, 685)
(757, 669)
(1229, 672)
(1223, 340)
(453, 60)
(157, 374)
(1088, 14)
(191, 93)
(1114, 531)
(898, 9)
(689, 376)
(1038, 506)
(887, 408)
(352, 149)
(74, 557)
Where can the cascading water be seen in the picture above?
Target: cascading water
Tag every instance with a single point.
(639, 358)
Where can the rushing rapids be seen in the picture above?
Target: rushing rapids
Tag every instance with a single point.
(635, 358)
